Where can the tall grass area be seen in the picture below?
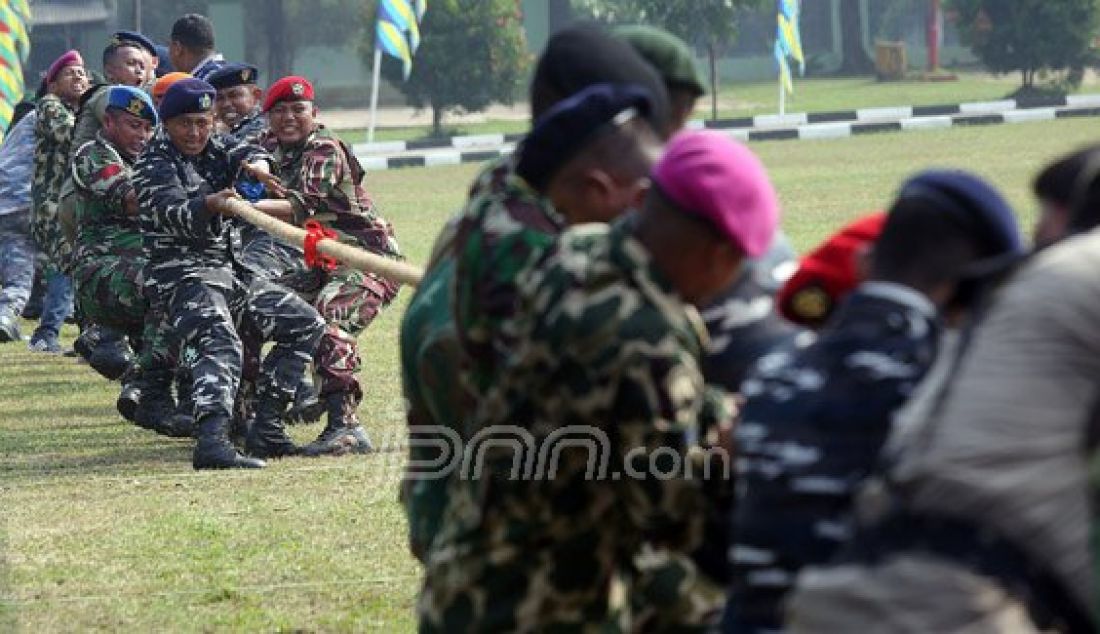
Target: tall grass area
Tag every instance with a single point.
(107, 527)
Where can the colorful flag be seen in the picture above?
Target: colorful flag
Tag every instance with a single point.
(398, 29)
(788, 42)
(15, 45)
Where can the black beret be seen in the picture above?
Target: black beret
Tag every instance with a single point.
(573, 124)
(582, 55)
(187, 96)
(232, 75)
(125, 38)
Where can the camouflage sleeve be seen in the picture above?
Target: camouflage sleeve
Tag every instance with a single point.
(161, 194)
(102, 174)
(89, 119)
(55, 122)
(242, 152)
(322, 169)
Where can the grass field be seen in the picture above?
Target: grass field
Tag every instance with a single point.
(106, 527)
(744, 99)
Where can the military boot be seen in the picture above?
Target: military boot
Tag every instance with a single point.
(129, 399)
(307, 407)
(156, 410)
(266, 436)
(343, 433)
(214, 451)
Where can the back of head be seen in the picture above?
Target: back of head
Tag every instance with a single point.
(586, 54)
(1073, 183)
(946, 227)
(194, 32)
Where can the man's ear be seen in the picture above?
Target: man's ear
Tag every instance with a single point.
(257, 93)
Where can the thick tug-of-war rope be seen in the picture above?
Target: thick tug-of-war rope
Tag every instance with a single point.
(321, 245)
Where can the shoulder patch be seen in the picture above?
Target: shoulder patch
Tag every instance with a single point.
(811, 302)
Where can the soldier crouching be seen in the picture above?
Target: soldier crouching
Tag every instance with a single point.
(184, 183)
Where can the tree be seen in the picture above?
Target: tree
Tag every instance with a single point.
(471, 54)
(281, 27)
(854, 58)
(710, 23)
(1028, 36)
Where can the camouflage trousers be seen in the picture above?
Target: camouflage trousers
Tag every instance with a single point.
(49, 236)
(109, 292)
(16, 261)
(204, 320)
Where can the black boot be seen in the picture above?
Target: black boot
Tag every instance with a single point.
(183, 418)
(266, 435)
(129, 399)
(156, 410)
(307, 407)
(342, 434)
(214, 451)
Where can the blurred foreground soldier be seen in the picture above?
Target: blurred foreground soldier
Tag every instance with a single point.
(17, 253)
(110, 261)
(608, 353)
(65, 82)
(183, 181)
(324, 183)
(982, 523)
(589, 155)
(237, 105)
(674, 62)
(503, 210)
(829, 273)
(191, 46)
(816, 418)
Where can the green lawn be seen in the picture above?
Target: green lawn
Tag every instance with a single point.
(106, 527)
(811, 95)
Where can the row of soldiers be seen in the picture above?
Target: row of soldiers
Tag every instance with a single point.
(132, 202)
(612, 427)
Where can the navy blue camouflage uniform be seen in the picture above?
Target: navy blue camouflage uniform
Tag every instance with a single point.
(194, 273)
(814, 422)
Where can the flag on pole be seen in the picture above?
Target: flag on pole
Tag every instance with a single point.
(398, 30)
(15, 46)
(788, 43)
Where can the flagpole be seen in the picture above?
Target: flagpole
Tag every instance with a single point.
(782, 98)
(374, 93)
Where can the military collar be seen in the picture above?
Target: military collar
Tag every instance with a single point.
(902, 295)
(122, 155)
(248, 118)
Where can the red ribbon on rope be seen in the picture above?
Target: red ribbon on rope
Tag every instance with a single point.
(315, 232)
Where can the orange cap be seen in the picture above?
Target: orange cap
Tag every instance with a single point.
(165, 82)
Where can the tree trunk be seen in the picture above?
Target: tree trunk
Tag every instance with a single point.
(855, 60)
(437, 121)
(278, 40)
(713, 55)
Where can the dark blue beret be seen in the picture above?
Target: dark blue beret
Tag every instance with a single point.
(232, 75)
(571, 125)
(164, 61)
(120, 38)
(975, 204)
(187, 96)
(132, 100)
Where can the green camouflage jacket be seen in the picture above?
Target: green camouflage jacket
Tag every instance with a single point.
(573, 481)
(103, 178)
(326, 183)
(53, 143)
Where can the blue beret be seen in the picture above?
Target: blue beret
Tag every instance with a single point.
(120, 38)
(232, 75)
(187, 96)
(132, 100)
(164, 61)
(570, 125)
(975, 204)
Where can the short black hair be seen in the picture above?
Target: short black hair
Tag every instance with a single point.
(1073, 182)
(113, 49)
(922, 246)
(195, 32)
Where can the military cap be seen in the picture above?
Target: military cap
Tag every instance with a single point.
(125, 38)
(668, 54)
(564, 130)
(708, 175)
(165, 82)
(187, 96)
(69, 58)
(828, 273)
(132, 100)
(974, 204)
(232, 75)
(293, 88)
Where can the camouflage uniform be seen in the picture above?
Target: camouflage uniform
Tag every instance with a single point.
(193, 275)
(53, 143)
(16, 246)
(810, 433)
(326, 184)
(606, 354)
(250, 129)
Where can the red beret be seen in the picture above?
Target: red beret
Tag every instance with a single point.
(827, 274)
(293, 88)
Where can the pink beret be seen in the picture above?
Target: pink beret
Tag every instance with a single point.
(72, 58)
(707, 174)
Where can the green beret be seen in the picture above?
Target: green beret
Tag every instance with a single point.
(670, 55)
